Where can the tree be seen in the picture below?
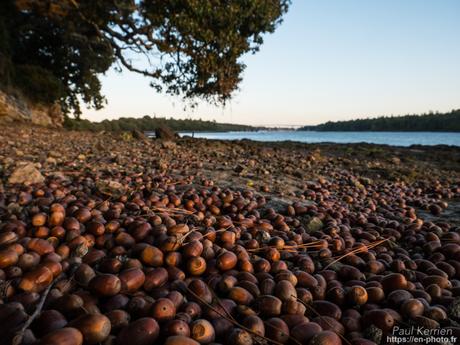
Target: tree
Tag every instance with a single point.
(57, 49)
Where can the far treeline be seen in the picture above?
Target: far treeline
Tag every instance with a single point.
(148, 123)
(432, 122)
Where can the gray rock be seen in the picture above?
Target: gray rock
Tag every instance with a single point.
(26, 174)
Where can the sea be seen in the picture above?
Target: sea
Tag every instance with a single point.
(386, 138)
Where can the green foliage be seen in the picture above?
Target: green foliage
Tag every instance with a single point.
(148, 123)
(446, 122)
(193, 46)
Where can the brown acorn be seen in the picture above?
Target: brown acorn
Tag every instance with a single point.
(196, 266)
(118, 319)
(305, 331)
(277, 330)
(240, 295)
(255, 324)
(180, 340)
(177, 327)
(163, 309)
(131, 280)
(269, 305)
(357, 295)
(36, 280)
(202, 331)
(152, 256)
(8, 257)
(94, 327)
(239, 336)
(48, 321)
(226, 261)
(63, 336)
(155, 278)
(143, 331)
(325, 338)
(105, 285)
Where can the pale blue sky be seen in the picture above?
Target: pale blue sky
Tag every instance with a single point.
(329, 60)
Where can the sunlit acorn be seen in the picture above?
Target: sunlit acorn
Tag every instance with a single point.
(67, 336)
(40, 246)
(412, 308)
(196, 266)
(36, 280)
(105, 285)
(94, 327)
(143, 331)
(8, 257)
(226, 261)
(240, 295)
(152, 256)
(131, 280)
(357, 295)
(394, 281)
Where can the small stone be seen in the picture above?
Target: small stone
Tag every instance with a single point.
(51, 160)
(395, 160)
(315, 224)
(81, 157)
(26, 174)
(168, 144)
(19, 153)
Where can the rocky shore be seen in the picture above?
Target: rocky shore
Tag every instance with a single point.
(116, 238)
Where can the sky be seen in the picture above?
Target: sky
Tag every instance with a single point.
(329, 60)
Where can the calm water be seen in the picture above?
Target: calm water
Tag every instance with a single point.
(389, 138)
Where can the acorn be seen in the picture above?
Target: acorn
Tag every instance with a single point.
(412, 308)
(394, 281)
(269, 305)
(105, 285)
(177, 327)
(36, 280)
(277, 330)
(155, 278)
(202, 331)
(152, 256)
(48, 321)
(163, 309)
(199, 291)
(357, 295)
(143, 331)
(196, 266)
(325, 338)
(131, 280)
(285, 291)
(239, 336)
(180, 340)
(305, 331)
(67, 336)
(226, 261)
(94, 327)
(118, 319)
(240, 295)
(255, 324)
(8, 257)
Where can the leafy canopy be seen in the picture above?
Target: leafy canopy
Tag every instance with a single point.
(57, 49)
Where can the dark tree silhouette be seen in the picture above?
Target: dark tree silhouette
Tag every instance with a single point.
(56, 49)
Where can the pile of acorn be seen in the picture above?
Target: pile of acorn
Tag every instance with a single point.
(180, 266)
